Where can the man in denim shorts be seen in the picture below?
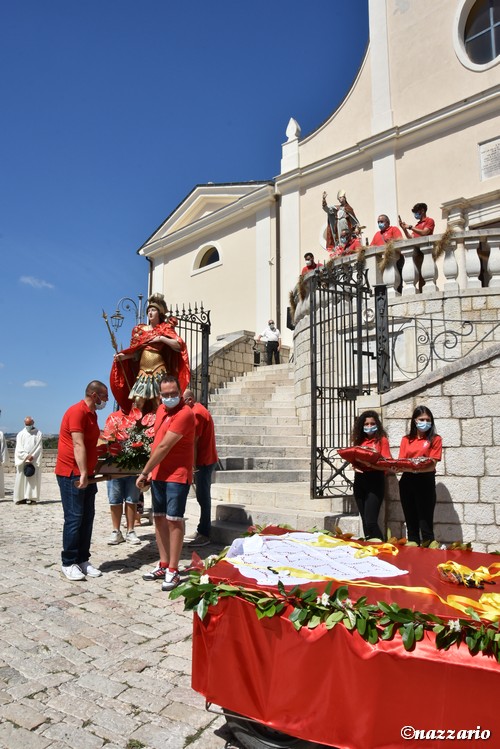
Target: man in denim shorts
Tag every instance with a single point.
(170, 469)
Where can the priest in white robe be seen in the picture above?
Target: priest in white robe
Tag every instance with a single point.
(3, 460)
(28, 451)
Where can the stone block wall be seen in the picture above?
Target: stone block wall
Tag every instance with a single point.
(48, 461)
(467, 416)
(464, 396)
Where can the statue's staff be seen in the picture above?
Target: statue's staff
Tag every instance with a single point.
(115, 346)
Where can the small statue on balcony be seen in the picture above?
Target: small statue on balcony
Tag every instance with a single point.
(340, 217)
(424, 225)
(155, 349)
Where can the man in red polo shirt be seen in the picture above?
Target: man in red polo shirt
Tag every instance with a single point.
(76, 462)
(310, 265)
(424, 225)
(170, 470)
(386, 232)
(205, 460)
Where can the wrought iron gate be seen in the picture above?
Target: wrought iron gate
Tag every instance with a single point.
(342, 329)
(193, 326)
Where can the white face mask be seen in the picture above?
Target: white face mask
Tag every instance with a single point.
(171, 402)
(99, 406)
(30, 427)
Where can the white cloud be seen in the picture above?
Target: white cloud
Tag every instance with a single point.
(37, 283)
(35, 384)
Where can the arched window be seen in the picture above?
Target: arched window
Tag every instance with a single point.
(477, 34)
(210, 256)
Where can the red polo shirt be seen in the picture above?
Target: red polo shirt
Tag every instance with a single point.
(426, 223)
(391, 233)
(420, 447)
(78, 418)
(177, 465)
(206, 450)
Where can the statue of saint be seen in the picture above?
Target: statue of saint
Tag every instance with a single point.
(340, 218)
(155, 349)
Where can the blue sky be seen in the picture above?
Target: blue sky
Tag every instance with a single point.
(112, 110)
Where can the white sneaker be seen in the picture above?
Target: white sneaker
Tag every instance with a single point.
(116, 538)
(89, 570)
(73, 572)
(172, 580)
(132, 538)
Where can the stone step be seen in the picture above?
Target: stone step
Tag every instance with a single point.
(308, 519)
(262, 463)
(283, 396)
(291, 495)
(261, 476)
(254, 383)
(225, 437)
(227, 450)
(257, 429)
(272, 412)
(256, 420)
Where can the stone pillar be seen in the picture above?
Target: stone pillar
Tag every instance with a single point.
(428, 271)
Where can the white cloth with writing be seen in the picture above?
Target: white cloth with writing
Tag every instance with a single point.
(268, 559)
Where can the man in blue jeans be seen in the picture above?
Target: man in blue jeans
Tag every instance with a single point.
(205, 461)
(76, 461)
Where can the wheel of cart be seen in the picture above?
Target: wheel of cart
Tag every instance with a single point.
(254, 735)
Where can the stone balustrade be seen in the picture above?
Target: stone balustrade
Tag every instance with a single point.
(466, 260)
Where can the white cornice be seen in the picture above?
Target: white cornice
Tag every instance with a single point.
(244, 206)
(401, 135)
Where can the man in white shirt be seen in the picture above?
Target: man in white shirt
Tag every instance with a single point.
(272, 337)
(28, 460)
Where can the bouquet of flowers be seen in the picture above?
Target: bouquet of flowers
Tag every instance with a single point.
(128, 440)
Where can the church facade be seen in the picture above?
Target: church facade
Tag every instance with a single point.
(421, 123)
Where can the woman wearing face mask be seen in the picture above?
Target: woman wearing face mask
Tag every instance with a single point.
(423, 225)
(368, 480)
(418, 490)
(155, 349)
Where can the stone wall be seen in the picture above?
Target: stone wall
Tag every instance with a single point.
(465, 400)
(48, 461)
(464, 396)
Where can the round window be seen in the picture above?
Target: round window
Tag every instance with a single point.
(477, 34)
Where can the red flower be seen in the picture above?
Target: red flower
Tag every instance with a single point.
(149, 432)
(148, 420)
(136, 445)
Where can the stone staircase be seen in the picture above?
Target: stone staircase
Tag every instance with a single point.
(265, 457)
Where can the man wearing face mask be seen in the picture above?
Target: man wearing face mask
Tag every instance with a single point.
(76, 462)
(27, 459)
(310, 265)
(386, 232)
(349, 244)
(423, 227)
(273, 342)
(170, 470)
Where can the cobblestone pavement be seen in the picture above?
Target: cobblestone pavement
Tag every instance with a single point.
(104, 662)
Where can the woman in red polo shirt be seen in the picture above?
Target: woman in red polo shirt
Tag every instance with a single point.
(417, 490)
(369, 481)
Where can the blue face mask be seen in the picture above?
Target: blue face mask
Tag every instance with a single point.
(370, 430)
(171, 402)
(343, 240)
(381, 225)
(418, 216)
(423, 426)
